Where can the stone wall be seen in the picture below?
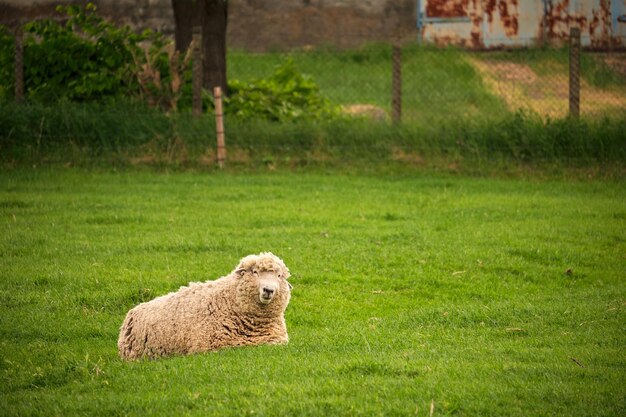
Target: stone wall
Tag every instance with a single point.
(258, 24)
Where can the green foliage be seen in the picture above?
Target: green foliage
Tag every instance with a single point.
(80, 57)
(7, 47)
(285, 95)
(163, 74)
(86, 58)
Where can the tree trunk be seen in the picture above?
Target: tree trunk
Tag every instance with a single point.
(211, 16)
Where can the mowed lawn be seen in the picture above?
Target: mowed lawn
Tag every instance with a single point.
(413, 295)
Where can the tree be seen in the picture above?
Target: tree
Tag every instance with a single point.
(212, 17)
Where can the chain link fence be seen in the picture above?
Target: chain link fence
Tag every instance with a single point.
(407, 84)
(427, 84)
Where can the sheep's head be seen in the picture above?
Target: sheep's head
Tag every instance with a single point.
(264, 281)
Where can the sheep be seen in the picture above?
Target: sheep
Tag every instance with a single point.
(245, 307)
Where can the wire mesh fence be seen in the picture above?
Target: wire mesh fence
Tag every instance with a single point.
(443, 83)
(426, 84)
(406, 84)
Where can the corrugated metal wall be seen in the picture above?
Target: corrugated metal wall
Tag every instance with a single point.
(495, 23)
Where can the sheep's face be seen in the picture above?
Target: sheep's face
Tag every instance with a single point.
(263, 283)
(268, 285)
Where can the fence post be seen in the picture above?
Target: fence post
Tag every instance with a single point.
(19, 63)
(219, 127)
(196, 83)
(574, 72)
(396, 83)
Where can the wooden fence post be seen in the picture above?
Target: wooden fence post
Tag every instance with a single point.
(19, 64)
(196, 42)
(219, 127)
(574, 72)
(396, 84)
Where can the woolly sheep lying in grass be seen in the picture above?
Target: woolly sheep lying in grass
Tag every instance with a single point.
(246, 307)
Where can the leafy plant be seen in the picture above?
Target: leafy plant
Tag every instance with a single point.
(285, 95)
(7, 46)
(161, 72)
(86, 58)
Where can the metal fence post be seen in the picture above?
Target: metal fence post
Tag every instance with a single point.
(396, 84)
(196, 42)
(574, 72)
(19, 64)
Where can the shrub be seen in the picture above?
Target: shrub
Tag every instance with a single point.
(7, 46)
(285, 95)
(85, 58)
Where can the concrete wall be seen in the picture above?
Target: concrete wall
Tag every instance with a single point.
(258, 24)
(155, 14)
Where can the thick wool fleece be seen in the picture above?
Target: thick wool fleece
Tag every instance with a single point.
(211, 315)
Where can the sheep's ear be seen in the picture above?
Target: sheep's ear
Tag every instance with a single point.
(241, 272)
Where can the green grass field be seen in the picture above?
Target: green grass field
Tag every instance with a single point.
(414, 295)
(438, 84)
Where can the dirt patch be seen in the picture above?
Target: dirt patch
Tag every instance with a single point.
(408, 157)
(548, 95)
(365, 110)
(512, 71)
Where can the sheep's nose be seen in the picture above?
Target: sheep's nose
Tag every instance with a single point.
(268, 291)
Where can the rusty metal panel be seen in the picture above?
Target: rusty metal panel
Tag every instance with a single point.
(447, 8)
(495, 23)
(511, 23)
(593, 17)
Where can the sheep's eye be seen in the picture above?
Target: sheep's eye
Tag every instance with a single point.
(254, 272)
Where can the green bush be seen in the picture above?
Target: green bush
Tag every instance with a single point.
(285, 95)
(85, 58)
(7, 46)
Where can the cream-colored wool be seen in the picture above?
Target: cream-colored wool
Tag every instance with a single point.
(246, 307)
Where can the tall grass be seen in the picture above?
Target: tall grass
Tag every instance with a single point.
(448, 113)
(70, 133)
